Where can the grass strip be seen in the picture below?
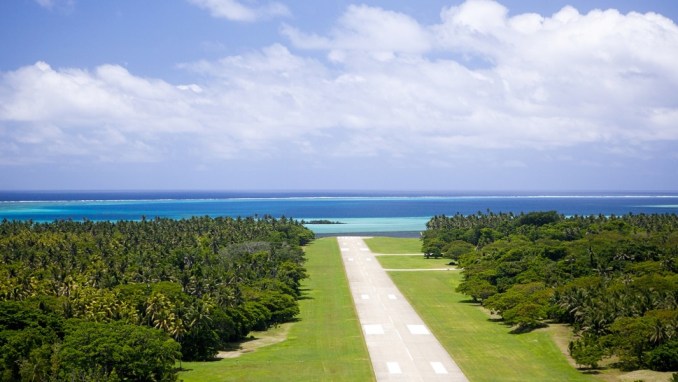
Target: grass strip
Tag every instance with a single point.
(412, 262)
(394, 245)
(483, 349)
(326, 344)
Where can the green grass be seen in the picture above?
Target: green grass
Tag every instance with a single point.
(484, 350)
(412, 262)
(326, 344)
(393, 245)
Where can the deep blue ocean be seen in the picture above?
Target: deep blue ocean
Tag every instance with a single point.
(361, 212)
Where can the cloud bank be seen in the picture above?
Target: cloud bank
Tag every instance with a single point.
(379, 83)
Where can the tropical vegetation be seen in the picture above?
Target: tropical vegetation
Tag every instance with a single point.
(126, 300)
(614, 279)
(325, 344)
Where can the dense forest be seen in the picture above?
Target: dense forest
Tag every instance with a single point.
(613, 279)
(111, 301)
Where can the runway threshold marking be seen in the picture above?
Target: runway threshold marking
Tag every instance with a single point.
(438, 368)
(393, 368)
(418, 329)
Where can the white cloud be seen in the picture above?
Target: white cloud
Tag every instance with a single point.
(50, 4)
(108, 113)
(236, 11)
(551, 81)
(484, 17)
(391, 87)
(367, 29)
(45, 3)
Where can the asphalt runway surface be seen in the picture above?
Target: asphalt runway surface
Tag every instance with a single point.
(401, 346)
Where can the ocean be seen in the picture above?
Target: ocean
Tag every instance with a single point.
(390, 213)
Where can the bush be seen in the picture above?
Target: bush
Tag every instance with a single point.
(107, 349)
(587, 351)
(664, 357)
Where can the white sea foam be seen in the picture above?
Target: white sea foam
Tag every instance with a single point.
(356, 197)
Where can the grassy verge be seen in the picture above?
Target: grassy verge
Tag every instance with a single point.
(484, 350)
(393, 245)
(412, 262)
(325, 344)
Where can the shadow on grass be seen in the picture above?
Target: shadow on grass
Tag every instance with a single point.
(237, 345)
(589, 371)
(526, 329)
(304, 294)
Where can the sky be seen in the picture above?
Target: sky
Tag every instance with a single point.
(511, 95)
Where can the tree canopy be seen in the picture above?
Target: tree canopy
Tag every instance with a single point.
(613, 278)
(125, 300)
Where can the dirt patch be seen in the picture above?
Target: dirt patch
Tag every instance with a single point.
(256, 340)
(644, 375)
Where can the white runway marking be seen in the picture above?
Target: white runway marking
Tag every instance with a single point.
(344, 249)
(391, 297)
(438, 368)
(373, 329)
(418, 329)
(365, 296)
(393, 368)
(364, 249)
(350, 259)
(368, 259)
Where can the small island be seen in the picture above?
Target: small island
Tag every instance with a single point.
(321, 221)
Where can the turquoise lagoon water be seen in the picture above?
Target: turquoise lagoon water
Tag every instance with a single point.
(404, 225)
(358, 212)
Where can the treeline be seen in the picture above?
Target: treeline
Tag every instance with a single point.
(125, 300)
(614, 279)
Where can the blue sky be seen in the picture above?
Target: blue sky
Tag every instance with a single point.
(339, 95)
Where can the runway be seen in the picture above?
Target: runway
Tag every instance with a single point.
(401, 347)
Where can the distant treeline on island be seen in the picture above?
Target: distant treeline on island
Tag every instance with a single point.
(321, 221)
